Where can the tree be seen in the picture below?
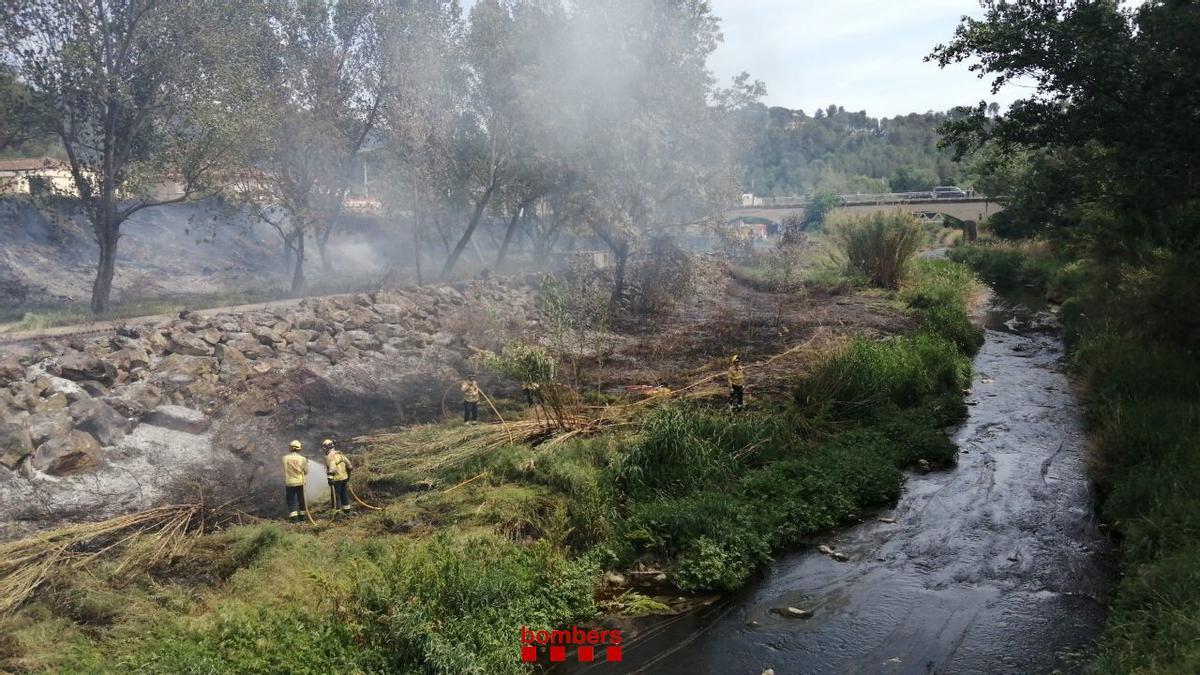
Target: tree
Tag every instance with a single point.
(22, 124)
(133, 90)
(1114, 104)
(321, 97)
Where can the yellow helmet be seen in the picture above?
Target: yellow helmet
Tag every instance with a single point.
(327, 443)
(735, 358)
(295, 445)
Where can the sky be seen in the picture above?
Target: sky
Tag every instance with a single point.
(859, 54)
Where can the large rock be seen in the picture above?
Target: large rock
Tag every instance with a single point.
(11, 370)
(249, 346)
(359, 318)
(134, 399)
(177, 370)
(129, 358)
(357, 339)
(188, 345)
(60, 385)
(266, 336)
(44, 426)
(178, 418)
(15, 444)
(71, 453)
(76, 365)
(394, 313)
(99, 419)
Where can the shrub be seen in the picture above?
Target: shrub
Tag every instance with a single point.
(904, 370)
(880, 246)
(682, 449)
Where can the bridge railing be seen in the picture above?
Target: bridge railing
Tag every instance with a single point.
(851, 199)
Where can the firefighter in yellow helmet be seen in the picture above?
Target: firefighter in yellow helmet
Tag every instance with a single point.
(337, 469)
(737, 383)
(295, 475)
(470, 393)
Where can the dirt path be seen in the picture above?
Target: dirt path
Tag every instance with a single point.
(8, 337)
(995, 566)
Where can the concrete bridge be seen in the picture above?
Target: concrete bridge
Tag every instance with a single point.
(964, 209)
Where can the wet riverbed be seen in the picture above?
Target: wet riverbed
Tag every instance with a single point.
(995, 566)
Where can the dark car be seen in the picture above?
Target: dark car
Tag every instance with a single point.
(948, 192)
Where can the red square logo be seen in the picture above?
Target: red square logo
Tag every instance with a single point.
(558, 653)
(613, 653)
(587, 654)
(528, 654)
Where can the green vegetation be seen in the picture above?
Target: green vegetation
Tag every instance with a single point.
(839, 151)
(484, 529)
(880, 246)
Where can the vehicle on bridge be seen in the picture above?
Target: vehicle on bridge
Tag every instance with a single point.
(949, 192)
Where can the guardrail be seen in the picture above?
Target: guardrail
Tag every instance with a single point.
(854, 199)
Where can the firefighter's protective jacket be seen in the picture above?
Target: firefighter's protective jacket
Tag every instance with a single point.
(470, 392)
(295, 469)
(337, 466)
(736, 377)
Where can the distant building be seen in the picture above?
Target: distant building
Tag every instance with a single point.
(36, 175)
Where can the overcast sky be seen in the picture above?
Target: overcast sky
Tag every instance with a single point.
(860, 54)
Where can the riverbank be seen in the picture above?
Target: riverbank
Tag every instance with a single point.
(995, 565)
(542, 533)
(1131, 335)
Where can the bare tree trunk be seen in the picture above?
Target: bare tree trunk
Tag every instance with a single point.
(298, 272)
(508, 235)
(466, 237)
(106, 235)
(621, 251)
(322, 248)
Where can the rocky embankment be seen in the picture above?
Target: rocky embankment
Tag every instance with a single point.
(204, 402)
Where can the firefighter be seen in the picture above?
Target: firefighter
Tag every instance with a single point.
(737, 383)
(470, 392)
(295, 475)
(337, 469)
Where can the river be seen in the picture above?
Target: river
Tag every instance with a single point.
(995, 566)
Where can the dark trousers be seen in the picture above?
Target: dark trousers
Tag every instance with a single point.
(295, 500)
(341, 493)
(737, 394)
(470, 411)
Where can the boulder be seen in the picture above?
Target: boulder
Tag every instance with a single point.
(74, 452)
(358, 339)
(71, 390)
(387, 331)
(359, 318)
(99, 419)
(187, 344)
(300, 336)
(210, 335)
(177, 370)
(129, 358)
(135, 399)
(53, 402)
(393, 313)
(76, 365)
(15, 444)
(266, 336)
(11, 370)
(249, 347)
(44, 426)
(179, 418)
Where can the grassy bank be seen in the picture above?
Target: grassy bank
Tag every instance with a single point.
(1131, 331)
(478, 536)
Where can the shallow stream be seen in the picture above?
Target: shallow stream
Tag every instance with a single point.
(994, 566)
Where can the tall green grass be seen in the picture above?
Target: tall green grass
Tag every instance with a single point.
(880, 246)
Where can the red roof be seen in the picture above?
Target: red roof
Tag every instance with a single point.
(30, 164)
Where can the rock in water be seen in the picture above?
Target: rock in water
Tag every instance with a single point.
(77, 451)
(824, 550)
